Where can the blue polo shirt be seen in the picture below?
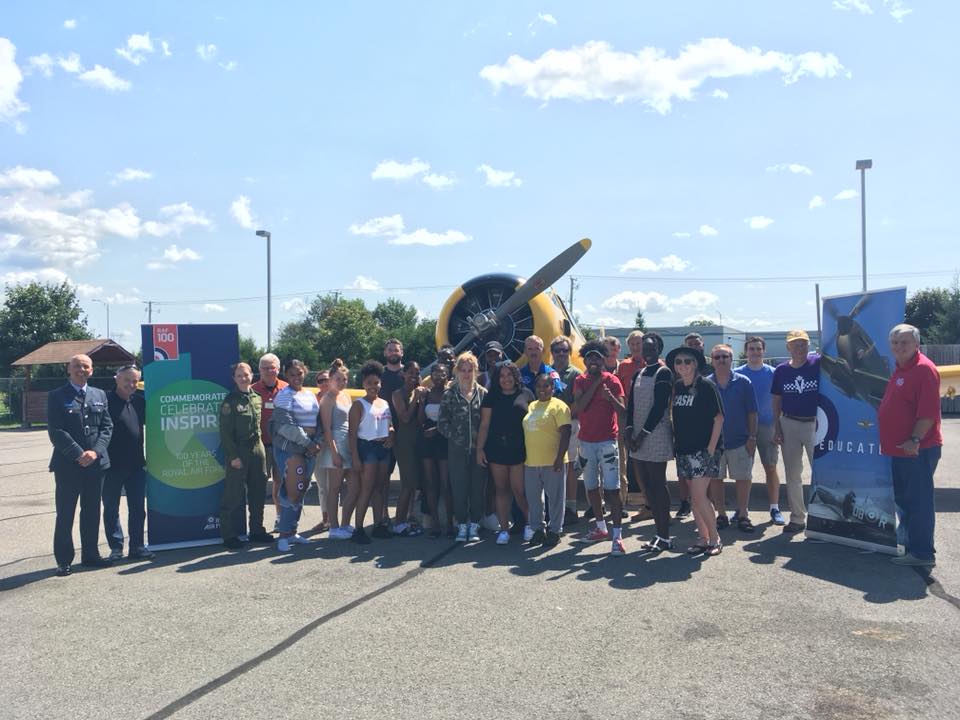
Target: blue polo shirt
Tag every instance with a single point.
(529, 378)
(739, 400)
(762, 380)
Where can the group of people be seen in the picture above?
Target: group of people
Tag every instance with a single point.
(502, 448)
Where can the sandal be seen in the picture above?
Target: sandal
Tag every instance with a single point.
(645, 513)
(319, 528)
(658, 544)
(714, 550)
(745, 525)
(698, 549)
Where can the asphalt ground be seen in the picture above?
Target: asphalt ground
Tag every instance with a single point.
(776, 626)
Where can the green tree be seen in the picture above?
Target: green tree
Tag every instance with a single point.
(640, 323)
(37, 313)
(395, 317)
(946, 327)
(923, 308)
(297, 340)
(250, 353)
(700, 323)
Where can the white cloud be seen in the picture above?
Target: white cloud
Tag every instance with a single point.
(898, 9)
(698, 299)
(815, 202)
(174, 254)
(70, 64)
(861, 6)
(213, 308)
(846, 195)
(131, 175)
(70, 24)
(137, 48)
(28, 178)
(423, 236)
(595, 71)
(105, 79)
(438, 182)
(157, 265)
(10, 78)
(388, 225)
(8, 241)
(229, 66)
(42, 275)
(176, 218)
(86, 291)
(165, 46)
(642, 264)
(652, 302)
(392, 227)
(42, 64)
(393, 170)
(758, 222)
(121, 299)
(547, 18)
(794, 168)
(681, 235)
(500, 178)
(207, 52)
(362, 282)
(708, 231)
(240, 210)
(298, 306)
(720, 94)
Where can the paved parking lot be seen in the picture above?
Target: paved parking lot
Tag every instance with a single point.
(774, 627)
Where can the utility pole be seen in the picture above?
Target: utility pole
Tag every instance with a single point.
(573, 286)
(149, 312)
(863, 166)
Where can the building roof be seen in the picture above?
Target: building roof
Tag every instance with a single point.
(101, 350)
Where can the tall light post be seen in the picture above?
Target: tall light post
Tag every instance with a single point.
(266, 234)
(107, 306)
(863, 166)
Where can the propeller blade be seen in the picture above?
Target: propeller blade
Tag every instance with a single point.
(464, 342)
(544, 277)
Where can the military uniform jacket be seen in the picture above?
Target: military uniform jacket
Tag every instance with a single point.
(240, 424)
(76, 425)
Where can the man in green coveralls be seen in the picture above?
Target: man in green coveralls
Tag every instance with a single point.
(244, 460)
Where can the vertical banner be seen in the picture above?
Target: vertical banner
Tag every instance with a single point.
(851, 498)
(186, 376)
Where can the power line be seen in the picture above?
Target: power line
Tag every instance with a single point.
(252, 298)
(759, 279)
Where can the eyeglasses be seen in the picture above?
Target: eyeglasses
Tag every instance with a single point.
(322, 380)
(685, 361)
(722, 356)
(560, 351)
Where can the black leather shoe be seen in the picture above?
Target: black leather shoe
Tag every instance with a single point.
(63, 570)
(141, 554)
(232, 544)
(96, 562)
(262, 536)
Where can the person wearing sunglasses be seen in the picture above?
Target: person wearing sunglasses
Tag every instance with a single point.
(739, 436)
(697, 440)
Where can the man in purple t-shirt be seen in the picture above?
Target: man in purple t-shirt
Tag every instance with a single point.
(795, 393)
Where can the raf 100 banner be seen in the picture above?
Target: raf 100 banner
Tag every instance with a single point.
(851, 498)
(186, 376)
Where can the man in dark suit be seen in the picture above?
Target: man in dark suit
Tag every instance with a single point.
(79, 426)
(126, 473)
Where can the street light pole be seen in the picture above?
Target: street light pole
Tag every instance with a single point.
(266, 234)
(863, 166)
(107, 306)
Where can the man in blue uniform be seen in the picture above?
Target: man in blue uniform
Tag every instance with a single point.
(79, 426)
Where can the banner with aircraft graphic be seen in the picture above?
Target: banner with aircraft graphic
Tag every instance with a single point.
(851, 498)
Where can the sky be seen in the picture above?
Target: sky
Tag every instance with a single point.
(398, 149)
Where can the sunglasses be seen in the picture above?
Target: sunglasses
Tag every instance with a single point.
(558, 351)
(322, 380)
(685, 361)
(127, 367)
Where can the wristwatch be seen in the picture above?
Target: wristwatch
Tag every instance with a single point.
(915, 439)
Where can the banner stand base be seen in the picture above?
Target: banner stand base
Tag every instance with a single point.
(861, 544)
(185, 544)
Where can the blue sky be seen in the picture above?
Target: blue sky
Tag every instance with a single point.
(402, 148)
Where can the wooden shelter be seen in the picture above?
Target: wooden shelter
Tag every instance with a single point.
(102, 351)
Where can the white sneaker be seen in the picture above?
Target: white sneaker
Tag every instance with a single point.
(473, 534)
(462, 532)
(299, 540)
(400, 527)
(527, 533)
(283, 544)
(503, 537)
(340, 533)
(491, 522)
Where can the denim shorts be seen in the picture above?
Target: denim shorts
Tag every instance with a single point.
(601, 463)
(373, 451)
(303, 481)
(698, 464)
